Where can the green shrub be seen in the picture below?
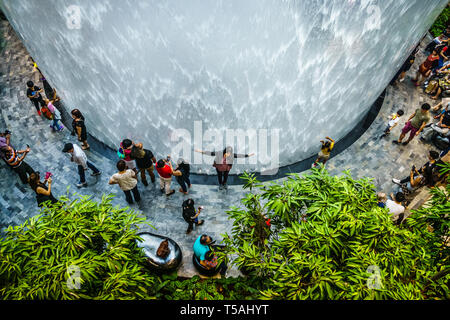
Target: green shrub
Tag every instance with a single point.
(97, 238)
(328, 239)
(441, 22)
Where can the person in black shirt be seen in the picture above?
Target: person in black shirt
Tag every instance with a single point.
(80, 128)
(431, 169)
(144, 160)
(183, 179)
(43, 192)
(34, 94)
(190, 216)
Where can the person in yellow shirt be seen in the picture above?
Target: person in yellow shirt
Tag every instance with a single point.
(325, 150)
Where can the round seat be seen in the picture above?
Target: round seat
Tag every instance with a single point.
(150, 245)
(202, 270)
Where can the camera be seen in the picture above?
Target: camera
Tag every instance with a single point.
(7, 132)
(413, 168)
(47, 175)
(168, 159)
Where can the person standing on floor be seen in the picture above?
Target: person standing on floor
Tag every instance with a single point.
(55, 115)
(190, 215)
(126, 146)
(127, 181)
(165, 172)
(80, 128)
(415, 123)
(17, 162)
(426, 67)
(223, 162)
(144, 161)
(183, 180)
(79, 157)
(43, 192)
(34, 94)
(325, 150)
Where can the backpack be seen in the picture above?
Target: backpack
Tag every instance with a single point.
(47, 113)
(121, 152)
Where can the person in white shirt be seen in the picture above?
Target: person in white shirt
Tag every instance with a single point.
(395, 206)
(127, 181)
(393, 121)
(79, 157)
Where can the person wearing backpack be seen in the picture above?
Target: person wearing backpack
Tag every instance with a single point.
(183, 180)
(190, 215)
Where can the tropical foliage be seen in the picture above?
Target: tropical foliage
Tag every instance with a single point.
(441, 22)
(328, 239)
(40, 259)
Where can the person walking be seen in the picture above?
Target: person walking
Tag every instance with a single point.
(165, 172)
(79, 157)
(415, 124)
(144, 161)
(80, 128)
(426, 67)
(127, 181)
(55, 115)
(183, 180)
(190, 215)
(34, 94)
(223, 162)
(16, 162)
(43, 192)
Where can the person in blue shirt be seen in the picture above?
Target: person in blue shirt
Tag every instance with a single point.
(201, 246)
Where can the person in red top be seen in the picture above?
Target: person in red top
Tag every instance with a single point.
(165, 172)
(426, 67)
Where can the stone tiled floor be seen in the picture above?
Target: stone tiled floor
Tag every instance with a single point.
(367, 157)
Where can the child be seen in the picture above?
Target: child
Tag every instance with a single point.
(55, 115)
(382, 198)
(393, 121)
(189, 214)
(325, 150)
(124, 152)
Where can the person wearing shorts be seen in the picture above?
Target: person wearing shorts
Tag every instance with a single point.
(325, 150)
(415, 124)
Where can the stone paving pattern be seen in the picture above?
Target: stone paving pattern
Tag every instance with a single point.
(367, 157)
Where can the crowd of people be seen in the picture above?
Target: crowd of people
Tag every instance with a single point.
(134, 160)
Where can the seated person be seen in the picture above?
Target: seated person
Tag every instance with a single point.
(381, 198)
(411, 183)
(395, 206)
(210, 262)
(201, 246)
(443, 85)
(442, 126)
(431, 170)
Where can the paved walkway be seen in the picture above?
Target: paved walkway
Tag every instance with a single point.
(367, 157)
